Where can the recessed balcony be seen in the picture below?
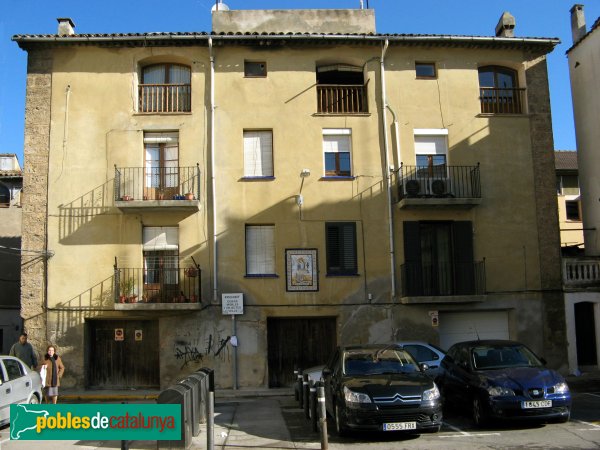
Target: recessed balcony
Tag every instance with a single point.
(168, 188)
(581, 273)
(438, 186)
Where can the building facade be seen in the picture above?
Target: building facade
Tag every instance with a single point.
(249, 198)
(582, 275)
(569, 203)
(11, 183)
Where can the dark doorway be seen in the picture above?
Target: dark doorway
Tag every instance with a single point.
(585, 334)
(122, 354)
(298, 343)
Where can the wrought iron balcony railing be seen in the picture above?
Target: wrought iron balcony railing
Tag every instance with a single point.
(501, 100)
(165, 98)
(443, 279)
(157, 183)
(157, 285)
(341, 99)
(438, 181)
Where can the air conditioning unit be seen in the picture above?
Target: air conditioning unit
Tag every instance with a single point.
(439, 187)
(413, 188)
(426, 187)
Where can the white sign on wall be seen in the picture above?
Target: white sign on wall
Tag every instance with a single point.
(232, 303)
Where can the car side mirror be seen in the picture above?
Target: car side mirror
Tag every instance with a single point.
(423, 367)
(326, 372)
(465, 365)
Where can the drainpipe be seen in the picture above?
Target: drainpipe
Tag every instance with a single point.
(387, 175)
(212, 165)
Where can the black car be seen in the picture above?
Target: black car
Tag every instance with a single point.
(380, 388)
(498, 379)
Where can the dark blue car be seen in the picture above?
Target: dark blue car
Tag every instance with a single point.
(497, 379)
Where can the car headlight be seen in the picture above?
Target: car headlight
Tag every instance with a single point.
(431, 394)
(561, 388)
(355, 397)
(500, 391)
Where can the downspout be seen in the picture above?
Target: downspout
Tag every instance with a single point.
(212, 165)
(387, 175)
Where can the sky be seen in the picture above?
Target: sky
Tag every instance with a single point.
(534, 18)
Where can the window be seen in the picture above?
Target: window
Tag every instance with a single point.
(438, 259)
(13, 369)
(165, 88)
(341, 248)
(573, 210)
(336, 151)
(255, 69)
(260, 250)
(6, 163)
(431, 151)
(4, 196)
(499, 91)
(161, 264)
(425, 70)
(161, 165)
(258, 153)
(567, 184)
(341, 89)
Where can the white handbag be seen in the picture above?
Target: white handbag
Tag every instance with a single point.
(43, 371)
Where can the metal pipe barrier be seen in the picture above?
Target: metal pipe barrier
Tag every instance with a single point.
(322, 417)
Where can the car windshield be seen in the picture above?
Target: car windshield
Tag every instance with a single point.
(382, 361)
(503, 356)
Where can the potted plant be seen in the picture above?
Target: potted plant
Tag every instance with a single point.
(126, 287)
(189, 196)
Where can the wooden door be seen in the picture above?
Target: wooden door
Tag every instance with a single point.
(585, 334)
(298, 343)
(122, 354)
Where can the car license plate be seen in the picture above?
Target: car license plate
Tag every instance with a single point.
(399, 426)
(537, 404)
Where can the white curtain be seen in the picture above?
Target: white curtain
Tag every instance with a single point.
(258, 153)
(260, 249)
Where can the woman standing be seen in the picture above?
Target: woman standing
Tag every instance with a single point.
(54, 372)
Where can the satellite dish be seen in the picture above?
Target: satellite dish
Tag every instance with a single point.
(222, 7)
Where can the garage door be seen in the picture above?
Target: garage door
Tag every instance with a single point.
(466, 326)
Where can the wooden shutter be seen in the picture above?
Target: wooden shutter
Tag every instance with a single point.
(341, 248)
(412, 274)
(464, 268)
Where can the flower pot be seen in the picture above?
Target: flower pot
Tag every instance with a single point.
(189, 196)
(127, 198)
(122, 299)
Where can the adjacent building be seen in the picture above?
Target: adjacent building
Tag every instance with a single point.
(11, 184)
(248, 198)
(569, 203)
(582, 275)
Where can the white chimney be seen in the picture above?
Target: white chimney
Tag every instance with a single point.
(577, 23)
(66, 27)
(506, 25)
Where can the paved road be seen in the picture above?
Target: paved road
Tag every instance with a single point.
(278, 423)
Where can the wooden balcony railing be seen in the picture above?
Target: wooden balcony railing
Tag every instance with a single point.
(165, 98)
(443, 279)
(341, 99)
(157, 183)
(157, 285)
(501, 100)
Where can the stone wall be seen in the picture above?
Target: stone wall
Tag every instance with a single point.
(35, 195)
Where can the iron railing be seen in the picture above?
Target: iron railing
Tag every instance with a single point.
(157, 285)
(581, 272)
(157, 183)
(165, 98)
(501, 100)
(341, 99)
(438, 181)
(421, 279)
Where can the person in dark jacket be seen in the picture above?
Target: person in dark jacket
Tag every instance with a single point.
(54, 372)
(24, 351)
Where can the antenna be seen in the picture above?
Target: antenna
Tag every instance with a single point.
(219, 6)
(476, 333)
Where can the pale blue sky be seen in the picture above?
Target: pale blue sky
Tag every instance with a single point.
(535, 18)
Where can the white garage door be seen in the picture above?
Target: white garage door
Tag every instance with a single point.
(466, 326)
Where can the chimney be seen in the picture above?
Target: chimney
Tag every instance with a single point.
(577, 23)
(506, 25)
(66, 27)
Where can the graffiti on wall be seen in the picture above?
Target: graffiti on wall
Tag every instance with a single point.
(194, 351)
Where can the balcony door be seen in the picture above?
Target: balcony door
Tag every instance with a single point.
(161, 165)
(161, 264)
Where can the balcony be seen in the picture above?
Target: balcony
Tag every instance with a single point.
(501, 100)
(160, 288)
(173, 188)
(342, 99)
(443, 282)
(438, 186)
(165, 98)
(581, 273)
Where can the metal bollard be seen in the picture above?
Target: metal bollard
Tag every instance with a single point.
(322, 417)
(305, 394)
(313, 408)
(299, 384)
(296, 394)
(210, 412)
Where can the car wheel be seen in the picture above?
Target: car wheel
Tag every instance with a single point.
(340, 426)
(479, 417)
(34, 400)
